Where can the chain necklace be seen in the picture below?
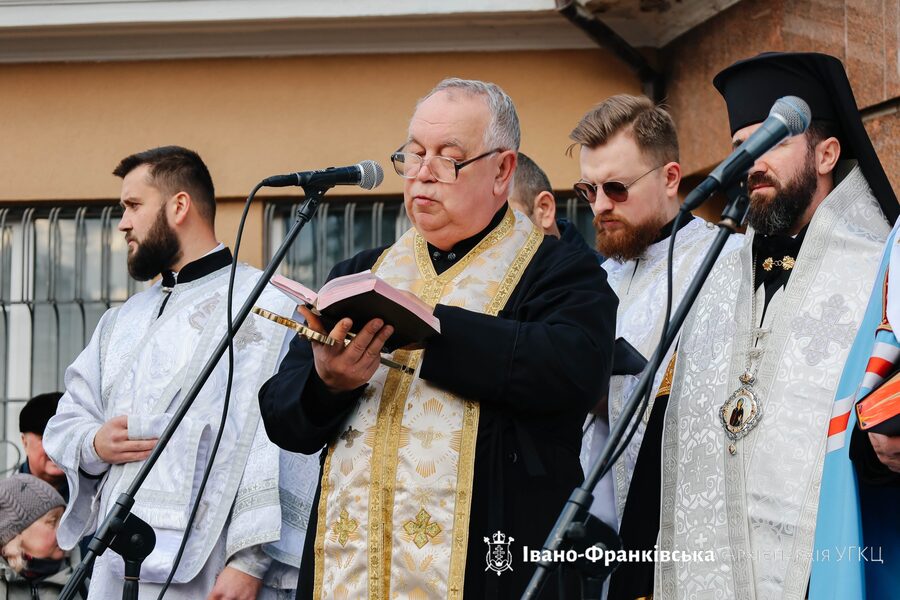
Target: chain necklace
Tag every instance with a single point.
(743, 410)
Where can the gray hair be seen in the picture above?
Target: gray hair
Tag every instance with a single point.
(503, 131)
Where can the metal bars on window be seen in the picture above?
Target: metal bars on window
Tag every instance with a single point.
(339, 230)
(61, 268)
(342, 229)
(579, 213)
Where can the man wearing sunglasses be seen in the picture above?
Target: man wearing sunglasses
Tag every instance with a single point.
(756, 433)
(426, 476)
(629, 176)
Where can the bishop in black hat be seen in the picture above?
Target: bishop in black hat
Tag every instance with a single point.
(773, 328)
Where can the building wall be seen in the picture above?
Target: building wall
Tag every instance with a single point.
(862, 33)
(67, 124)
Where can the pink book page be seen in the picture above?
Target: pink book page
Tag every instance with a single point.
(409, 301)
(359, 283)
(297, 292)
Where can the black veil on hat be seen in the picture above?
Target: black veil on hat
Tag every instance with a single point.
(751, 86)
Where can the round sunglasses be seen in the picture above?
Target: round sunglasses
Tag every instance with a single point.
(614, 190)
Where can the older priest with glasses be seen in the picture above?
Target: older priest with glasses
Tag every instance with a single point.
(423, 471)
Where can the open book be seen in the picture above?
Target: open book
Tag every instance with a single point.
(362, 297)
(879, 410)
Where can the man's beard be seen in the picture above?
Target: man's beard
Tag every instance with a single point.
(629, 241)
(159, 250)
(780, 214)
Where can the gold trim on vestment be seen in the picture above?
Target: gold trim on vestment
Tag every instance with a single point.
(516, 269)
(380, 259)
(665, 386)
(384, 473)
(321, 529)
(426, 268)
(465, 476)
(430, 294)
(319, 545)
(466, 472)
(450, 529)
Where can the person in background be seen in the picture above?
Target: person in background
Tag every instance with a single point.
(123, 388)
(32, 566)
(532, 194)
(32, 422)
(630, 174)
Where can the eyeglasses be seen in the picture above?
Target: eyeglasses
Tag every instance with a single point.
(444, 169)
(614, 190)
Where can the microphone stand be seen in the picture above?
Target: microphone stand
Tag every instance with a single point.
(134, 543)
(574, 519)
(114, 524)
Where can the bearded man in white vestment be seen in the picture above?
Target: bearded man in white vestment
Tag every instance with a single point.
(630, 177)
(762, 351)
(122, 390)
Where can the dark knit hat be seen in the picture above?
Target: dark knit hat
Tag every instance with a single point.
(37, 411)
(23, 500)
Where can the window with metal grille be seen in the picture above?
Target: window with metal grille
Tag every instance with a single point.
(61, 268)
(342, 229)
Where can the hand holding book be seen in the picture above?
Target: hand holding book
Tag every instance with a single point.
(879, 410)
(320, 338)
(362, 297)
(346, 366)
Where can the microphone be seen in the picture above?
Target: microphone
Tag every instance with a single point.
(368, 175)
(789, 116)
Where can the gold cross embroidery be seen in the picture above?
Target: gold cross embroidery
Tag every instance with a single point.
(422, 530)
(344, 527)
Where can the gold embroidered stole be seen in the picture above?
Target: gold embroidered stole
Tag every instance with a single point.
(393, 517)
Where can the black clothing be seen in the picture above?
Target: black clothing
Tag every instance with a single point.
(569, 234)
(750, 88)
(776, 247)
(640, 518)
(666, 232)
(201, 267)
(443, 260)
(535, 369)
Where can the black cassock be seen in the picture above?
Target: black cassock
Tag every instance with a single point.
(535, 369)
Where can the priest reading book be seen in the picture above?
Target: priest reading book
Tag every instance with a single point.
(478, 438)
(362, 297)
